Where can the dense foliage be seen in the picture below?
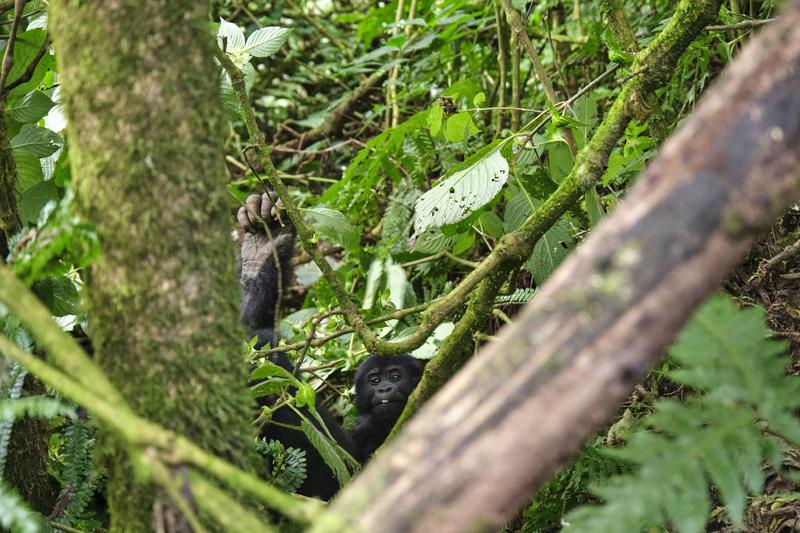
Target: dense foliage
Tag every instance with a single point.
(415, 136)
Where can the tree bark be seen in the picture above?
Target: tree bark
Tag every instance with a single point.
(523, 406)
(140, 89)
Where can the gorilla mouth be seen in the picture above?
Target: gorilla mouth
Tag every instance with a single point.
(387, 402)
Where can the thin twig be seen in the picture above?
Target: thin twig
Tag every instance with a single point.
(745, 25)
(516, 23)
(789, 252)
(8, 57)
(26, 76)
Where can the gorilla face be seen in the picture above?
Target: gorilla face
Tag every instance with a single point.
(388, 388)
(383, 384)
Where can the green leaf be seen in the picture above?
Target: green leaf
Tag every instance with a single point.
(33, 199)
(435, 117)
(58, 294)
(374, 275)
(459, 127)
(462, 192)
(334, 226)
(29, 171)
(26, 47)
(431, 241)
(270, 387)
(491, 224)
(31, 107)
(40, 142)
(326, 450)
(266, 41)
(399, 287)
(593, 207)
(464, 242)
(268, 370)
(305, 395)
(550, 250)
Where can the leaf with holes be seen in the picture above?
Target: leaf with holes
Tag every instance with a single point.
(462, 193)
(550, 251)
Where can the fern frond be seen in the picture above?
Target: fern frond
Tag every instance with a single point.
(78, 478)
(14, 514)
(713, 438)
(16, 380)
(519, 296)
(289, 468)
(34, 406)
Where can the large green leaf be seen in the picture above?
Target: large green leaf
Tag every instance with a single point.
(33, 199)
(326, 450)
(551, 249)
(463, 192)
(31, 107)
(40, 142)
(334, 226)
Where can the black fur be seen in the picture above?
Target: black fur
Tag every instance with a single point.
(379, 404)
(383, 384)
(260, 291)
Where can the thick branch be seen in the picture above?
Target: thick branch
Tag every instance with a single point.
(615, 12)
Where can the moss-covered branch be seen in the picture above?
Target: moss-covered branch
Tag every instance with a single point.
(618, 22)
(113, 412)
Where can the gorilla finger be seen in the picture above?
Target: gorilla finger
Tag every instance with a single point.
(266, 206)
(253, 208)
(276, 209)
(243, 219)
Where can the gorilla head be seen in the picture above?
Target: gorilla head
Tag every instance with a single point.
(383, 384)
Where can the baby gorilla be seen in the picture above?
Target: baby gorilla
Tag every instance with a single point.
(264, 240)
(383, 384)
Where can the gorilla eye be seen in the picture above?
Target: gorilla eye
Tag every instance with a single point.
(394, 376)
(374, 380)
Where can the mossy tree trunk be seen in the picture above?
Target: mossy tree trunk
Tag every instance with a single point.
(140, 89)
